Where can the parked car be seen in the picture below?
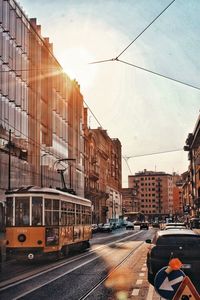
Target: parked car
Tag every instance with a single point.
(156, 225)
(144, 225)
(106, 227)
(94, 228)
(194, 223)
(137, 223)
(130, 225)
(183, 244)
(175, 225)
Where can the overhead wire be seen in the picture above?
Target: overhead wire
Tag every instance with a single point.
(145, 28)
(159, 74)
(116, 58)
(126, 158)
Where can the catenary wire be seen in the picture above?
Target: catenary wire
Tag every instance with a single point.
(160, 75)
(126, 158)
(153, 153)
(145, 28)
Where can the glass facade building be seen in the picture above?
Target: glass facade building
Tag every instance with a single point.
(39, 105)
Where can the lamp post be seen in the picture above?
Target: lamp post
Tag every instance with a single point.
(9, 160)
(41, 170)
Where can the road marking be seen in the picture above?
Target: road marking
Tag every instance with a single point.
(144, 269)
(141, 274)
(61, 275)
(150, 292)
(139, 281)
(135, 292)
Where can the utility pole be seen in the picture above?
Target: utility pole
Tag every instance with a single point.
(9, 161)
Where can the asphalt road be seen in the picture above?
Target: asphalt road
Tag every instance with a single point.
(91, 275)
(80, 274)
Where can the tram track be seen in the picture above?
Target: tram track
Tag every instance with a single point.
(111, 272)
(6, 285)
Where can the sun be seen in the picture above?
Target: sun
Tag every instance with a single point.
(75, 62)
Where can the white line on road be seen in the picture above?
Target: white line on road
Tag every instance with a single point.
(139, 281)
(141, 274)
(144, 269)
(135, 292)
(150, 292)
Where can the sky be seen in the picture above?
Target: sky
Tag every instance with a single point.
(149, 114)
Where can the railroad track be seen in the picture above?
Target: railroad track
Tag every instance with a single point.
(8, 286)
(91, 290)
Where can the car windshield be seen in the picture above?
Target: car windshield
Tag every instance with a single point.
(173, 240)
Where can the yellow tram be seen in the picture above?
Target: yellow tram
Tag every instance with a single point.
(46, 221)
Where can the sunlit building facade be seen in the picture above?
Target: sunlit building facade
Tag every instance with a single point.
(153, 193)
(41, 109)
(102, 173)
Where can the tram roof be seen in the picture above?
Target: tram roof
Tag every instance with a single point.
(44, 190)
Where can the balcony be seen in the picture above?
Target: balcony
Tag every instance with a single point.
(93, 175)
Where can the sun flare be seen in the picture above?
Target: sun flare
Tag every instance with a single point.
(76, 65)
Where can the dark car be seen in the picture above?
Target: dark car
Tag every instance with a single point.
(155, 225)
(167, 244)
(107, 227)
(144, 225)
(94, 228)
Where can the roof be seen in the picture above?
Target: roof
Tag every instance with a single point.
(45, 190)
(176, 232)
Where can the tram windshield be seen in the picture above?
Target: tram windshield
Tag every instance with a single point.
(37, 211)
(22, 211)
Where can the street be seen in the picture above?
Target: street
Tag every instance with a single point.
(121, 254)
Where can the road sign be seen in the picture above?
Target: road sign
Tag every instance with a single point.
(186, 291)
(166, 284)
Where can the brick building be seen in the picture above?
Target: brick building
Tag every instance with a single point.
(192, 182)
(152, 194)
(102, 173)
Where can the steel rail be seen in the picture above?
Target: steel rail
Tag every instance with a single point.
(5, 286)
(113, 270)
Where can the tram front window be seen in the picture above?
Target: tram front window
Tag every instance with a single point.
(22, 211)
(36, 211)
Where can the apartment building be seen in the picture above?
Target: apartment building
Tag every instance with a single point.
(192, 182)
(102, 173)
(41, 109)
(153, 193)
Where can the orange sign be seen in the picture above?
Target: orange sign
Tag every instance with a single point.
(186, 291)
(174, 264)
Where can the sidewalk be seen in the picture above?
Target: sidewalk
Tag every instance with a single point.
(196, 230)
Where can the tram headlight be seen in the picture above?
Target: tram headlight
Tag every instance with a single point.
(21, 238)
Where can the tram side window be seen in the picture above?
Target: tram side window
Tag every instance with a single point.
(71, 214)
(9, 211)
(48, 212)
(83, 215)
(63, 213)
(87, 215)
(55, 212)
(22, 211)
(51, 212)
(78, 214)
(36, 211)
